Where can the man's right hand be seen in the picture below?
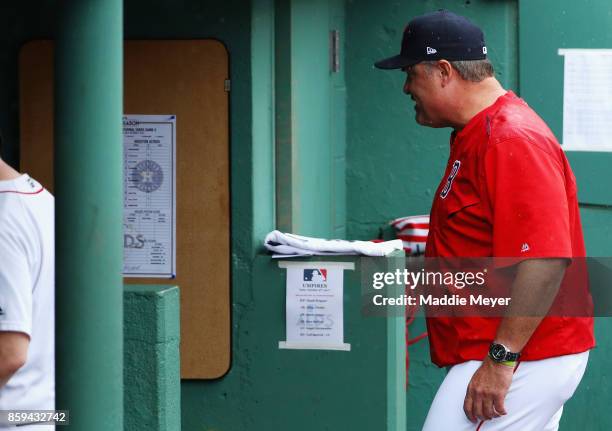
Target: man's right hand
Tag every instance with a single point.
(487, 390)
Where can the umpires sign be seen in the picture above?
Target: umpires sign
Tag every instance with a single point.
(314, 305)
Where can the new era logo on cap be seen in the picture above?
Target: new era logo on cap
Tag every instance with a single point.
(431, 50)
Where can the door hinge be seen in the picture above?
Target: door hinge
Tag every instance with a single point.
(334, 51)
(227, 85)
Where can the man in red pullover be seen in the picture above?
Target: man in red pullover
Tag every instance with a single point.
(508, 191)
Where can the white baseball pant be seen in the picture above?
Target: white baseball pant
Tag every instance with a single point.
(534, 402)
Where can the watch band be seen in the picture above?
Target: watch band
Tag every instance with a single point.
(500, 353)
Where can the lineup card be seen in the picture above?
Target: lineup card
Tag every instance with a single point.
(149, 196)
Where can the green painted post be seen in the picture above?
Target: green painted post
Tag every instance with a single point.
(262, 72)
(152, 359)
(310, 109)
(396, 352)
(310, 119)
(88, 179)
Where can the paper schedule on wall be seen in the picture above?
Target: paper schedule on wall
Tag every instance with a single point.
(149, 196)
(587, 99)
(314, 305)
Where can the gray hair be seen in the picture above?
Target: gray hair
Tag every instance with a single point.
(471, 70)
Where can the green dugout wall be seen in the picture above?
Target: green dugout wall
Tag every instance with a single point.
(378, 163)
(574, 25)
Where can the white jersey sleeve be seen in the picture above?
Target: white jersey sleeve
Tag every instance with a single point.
(16, 284)
(27, 292)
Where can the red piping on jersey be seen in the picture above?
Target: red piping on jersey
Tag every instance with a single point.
(483, 421)
(23, 193)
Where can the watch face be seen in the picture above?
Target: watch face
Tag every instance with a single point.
(498, 352)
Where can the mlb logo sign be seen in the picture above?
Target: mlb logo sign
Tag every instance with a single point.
(315, 275)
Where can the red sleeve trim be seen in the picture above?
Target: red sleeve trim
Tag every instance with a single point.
(23, 193)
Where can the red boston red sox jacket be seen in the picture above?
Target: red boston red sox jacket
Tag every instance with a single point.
(508, 191)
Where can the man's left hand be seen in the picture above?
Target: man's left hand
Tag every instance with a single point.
(487, 390)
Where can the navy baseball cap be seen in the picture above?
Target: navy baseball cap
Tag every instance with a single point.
(438, 35)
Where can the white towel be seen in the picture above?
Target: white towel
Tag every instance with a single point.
(290, 244)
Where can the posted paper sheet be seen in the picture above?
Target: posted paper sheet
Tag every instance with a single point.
(314, 305)
(149, 196)
(587, 99)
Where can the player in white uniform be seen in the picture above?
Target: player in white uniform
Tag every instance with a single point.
(27, 289)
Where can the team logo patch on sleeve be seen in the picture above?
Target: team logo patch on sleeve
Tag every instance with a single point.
(450, 179)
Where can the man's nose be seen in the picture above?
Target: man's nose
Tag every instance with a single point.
(407, 87)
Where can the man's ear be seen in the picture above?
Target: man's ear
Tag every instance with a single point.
(446, 72)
